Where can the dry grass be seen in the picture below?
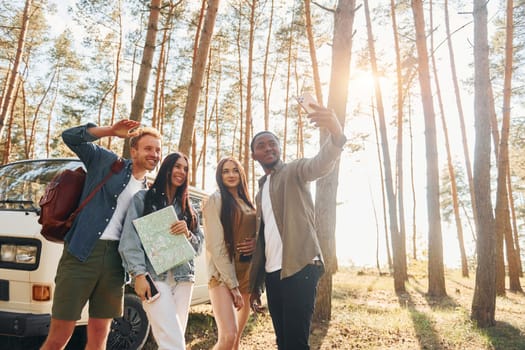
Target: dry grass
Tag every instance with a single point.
(367, 314)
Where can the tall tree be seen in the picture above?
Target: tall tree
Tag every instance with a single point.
(436, 270)
(326, 190)
(503, 224)
(450, 165)
(197, 75)
(399, 147)
(398, 243)
(13, 76)
(137, 105)
(313, 53)
(484, 300)
(249, 93)
(459, 106)
(266, 88)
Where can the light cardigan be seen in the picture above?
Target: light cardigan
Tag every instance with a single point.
(219, 263)
(293, 209)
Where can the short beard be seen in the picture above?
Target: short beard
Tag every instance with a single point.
(271, 165)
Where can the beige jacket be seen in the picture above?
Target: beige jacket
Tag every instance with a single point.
(293, 209)
(219, 264)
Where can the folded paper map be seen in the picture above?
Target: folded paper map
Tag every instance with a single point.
(163, 249)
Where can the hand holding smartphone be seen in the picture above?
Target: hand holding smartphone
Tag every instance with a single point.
(155, 294)
(304, 100)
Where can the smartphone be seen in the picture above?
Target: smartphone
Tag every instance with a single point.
(304, 100)
(155, 294)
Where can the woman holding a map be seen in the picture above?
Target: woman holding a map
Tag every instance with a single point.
(166, 210)
(230, 241)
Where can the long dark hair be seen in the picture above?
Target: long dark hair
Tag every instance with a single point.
(157, 195)
(230, 211)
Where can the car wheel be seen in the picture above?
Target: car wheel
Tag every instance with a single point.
(130, 331)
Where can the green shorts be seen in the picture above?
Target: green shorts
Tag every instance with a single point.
(99, 280)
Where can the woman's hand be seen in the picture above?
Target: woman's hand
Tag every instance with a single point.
(246, 247)
(238, 302)
(180, 228)
(142, 287)
(255, 303)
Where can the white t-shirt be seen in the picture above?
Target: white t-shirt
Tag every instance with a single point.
(272, 238)
(114, 229)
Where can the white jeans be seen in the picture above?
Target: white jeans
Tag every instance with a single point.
(168, 315)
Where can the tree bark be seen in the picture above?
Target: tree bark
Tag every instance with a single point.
(399, 147)
(398, 244)
(137, 106)
(8, 97)
(450, 166)
(197, 75)
(484, 299)
(459, 106)
(436, 271)
(266, 89)
(503, 224)
(326, 189)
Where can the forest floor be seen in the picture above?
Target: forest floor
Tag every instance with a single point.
(368, 314)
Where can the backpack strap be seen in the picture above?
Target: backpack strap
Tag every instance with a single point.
(116, 167)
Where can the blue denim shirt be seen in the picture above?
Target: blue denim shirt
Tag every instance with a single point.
(94, 217)
(135, 260)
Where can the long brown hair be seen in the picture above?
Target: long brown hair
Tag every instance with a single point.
(157, 198)
(230, 211)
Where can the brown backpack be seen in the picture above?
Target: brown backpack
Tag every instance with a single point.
(59, 206)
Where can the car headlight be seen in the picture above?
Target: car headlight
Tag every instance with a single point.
(18, 253)
(22, 254)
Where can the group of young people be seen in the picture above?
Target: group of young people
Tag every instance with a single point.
(270, 245)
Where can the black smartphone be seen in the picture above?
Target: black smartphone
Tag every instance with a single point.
(245, 258)
(153, 288)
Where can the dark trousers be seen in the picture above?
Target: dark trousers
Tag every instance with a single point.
(291, 304)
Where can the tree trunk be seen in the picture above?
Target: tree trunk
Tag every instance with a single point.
(457, 94)
(413, 188)
(400, 270)
(313, 54)
(484, 300)
(326, 189)
(197, 76)
(266, 90)
(436, 271)
(249, 78)
(514, 223)
(8, 97)
(287, 88)
(399, 148)
(383, 194)
(117, 72)
(137, 106)
(450, 166)
(503, 224)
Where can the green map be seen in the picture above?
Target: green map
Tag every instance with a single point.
(163, 249)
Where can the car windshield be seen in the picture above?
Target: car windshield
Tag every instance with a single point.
(22, 184)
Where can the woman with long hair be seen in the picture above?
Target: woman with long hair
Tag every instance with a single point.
(168, 315)
(229, 223)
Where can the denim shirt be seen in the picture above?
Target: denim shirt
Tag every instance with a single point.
(94, 217)
(135, 260)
